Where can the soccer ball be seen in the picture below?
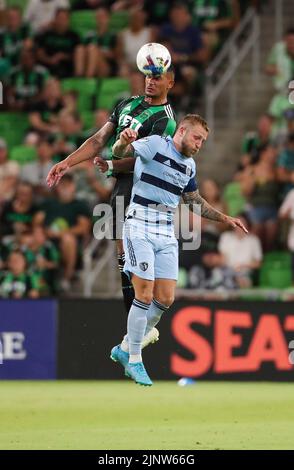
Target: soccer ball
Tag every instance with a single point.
(153, 59)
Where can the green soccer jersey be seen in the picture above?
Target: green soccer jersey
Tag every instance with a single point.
(144, 118)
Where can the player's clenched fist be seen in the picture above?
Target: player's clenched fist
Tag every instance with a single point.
(128, 136)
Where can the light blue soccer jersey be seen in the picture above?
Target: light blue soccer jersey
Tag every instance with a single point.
(161, 175)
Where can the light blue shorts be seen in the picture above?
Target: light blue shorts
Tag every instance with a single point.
(150, 256)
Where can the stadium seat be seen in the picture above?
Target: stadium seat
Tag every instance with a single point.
(23, 154)
(18, 3)
(111, 90)
(86, 89)
(276, 270)
(87, 119)
(119, 20)
(13, 127)
(83, 21)
(234, 198)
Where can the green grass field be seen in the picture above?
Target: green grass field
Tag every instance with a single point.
(122, 415)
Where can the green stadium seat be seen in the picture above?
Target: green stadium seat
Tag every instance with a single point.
(87, 119)
(276, 270)
(234, 198)
(111, 90)
(119, 20)
(18, 3)
(281, 257)
(81, 85)
(23, 154)
(86, 89)
(13, 127)
(83, 21)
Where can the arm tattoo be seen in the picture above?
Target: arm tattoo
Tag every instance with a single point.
(101, 137)
(207, 211)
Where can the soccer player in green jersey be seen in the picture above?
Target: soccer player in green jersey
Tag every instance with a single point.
(148, 115)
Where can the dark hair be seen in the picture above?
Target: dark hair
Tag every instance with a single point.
(289, 31)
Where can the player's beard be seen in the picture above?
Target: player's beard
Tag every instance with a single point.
(187, 151)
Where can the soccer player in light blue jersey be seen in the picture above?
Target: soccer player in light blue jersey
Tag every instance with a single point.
(164, 172)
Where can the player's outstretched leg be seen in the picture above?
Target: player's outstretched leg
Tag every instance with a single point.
(137, 372)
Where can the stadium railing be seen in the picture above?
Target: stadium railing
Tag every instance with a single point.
(222, 70)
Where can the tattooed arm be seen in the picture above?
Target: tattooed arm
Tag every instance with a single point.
(86, 151)
(208, 212)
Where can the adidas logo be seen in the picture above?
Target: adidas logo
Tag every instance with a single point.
(167, 162)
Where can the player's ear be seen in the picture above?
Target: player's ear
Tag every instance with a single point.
(171, 83)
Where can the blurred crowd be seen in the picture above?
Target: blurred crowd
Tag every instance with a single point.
(261, 194)
(43, 50)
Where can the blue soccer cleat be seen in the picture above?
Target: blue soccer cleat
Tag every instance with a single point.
(137, 372)
(118, 355)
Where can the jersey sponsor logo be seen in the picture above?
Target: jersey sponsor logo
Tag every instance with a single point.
(176, 179)
(143, 266)
(129, 121)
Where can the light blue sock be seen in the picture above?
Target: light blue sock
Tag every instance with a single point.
(137, 321)
(154, 314)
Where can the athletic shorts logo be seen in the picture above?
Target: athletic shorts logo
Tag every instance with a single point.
(143, 266)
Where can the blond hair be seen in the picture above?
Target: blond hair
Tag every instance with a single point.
(193, 119)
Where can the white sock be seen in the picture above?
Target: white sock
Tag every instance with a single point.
(135, 358)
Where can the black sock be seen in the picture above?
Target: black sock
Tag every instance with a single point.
(127, 287)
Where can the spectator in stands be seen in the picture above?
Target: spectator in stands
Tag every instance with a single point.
(57, 47)
(9, 172)
(286, 211)
(101, 116)
(216, 19)
(36, 172)
(260, 186)
(280, 64)
(99, 55)
(17, 283)
(14, 37)
(285, 170)
(70, 136)
(41, 13)
(44, 113)
(239, 251)
(158, 11)
(19, 215)
(67, 221)
(92, 185)
(134, 37)
(285, 125)
(256, 140)
(26, 82)
(43, 259)
(184, 42)
(211, 193)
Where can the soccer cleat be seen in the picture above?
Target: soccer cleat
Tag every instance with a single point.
(137, 372)
(150, 338)
(118, 355)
